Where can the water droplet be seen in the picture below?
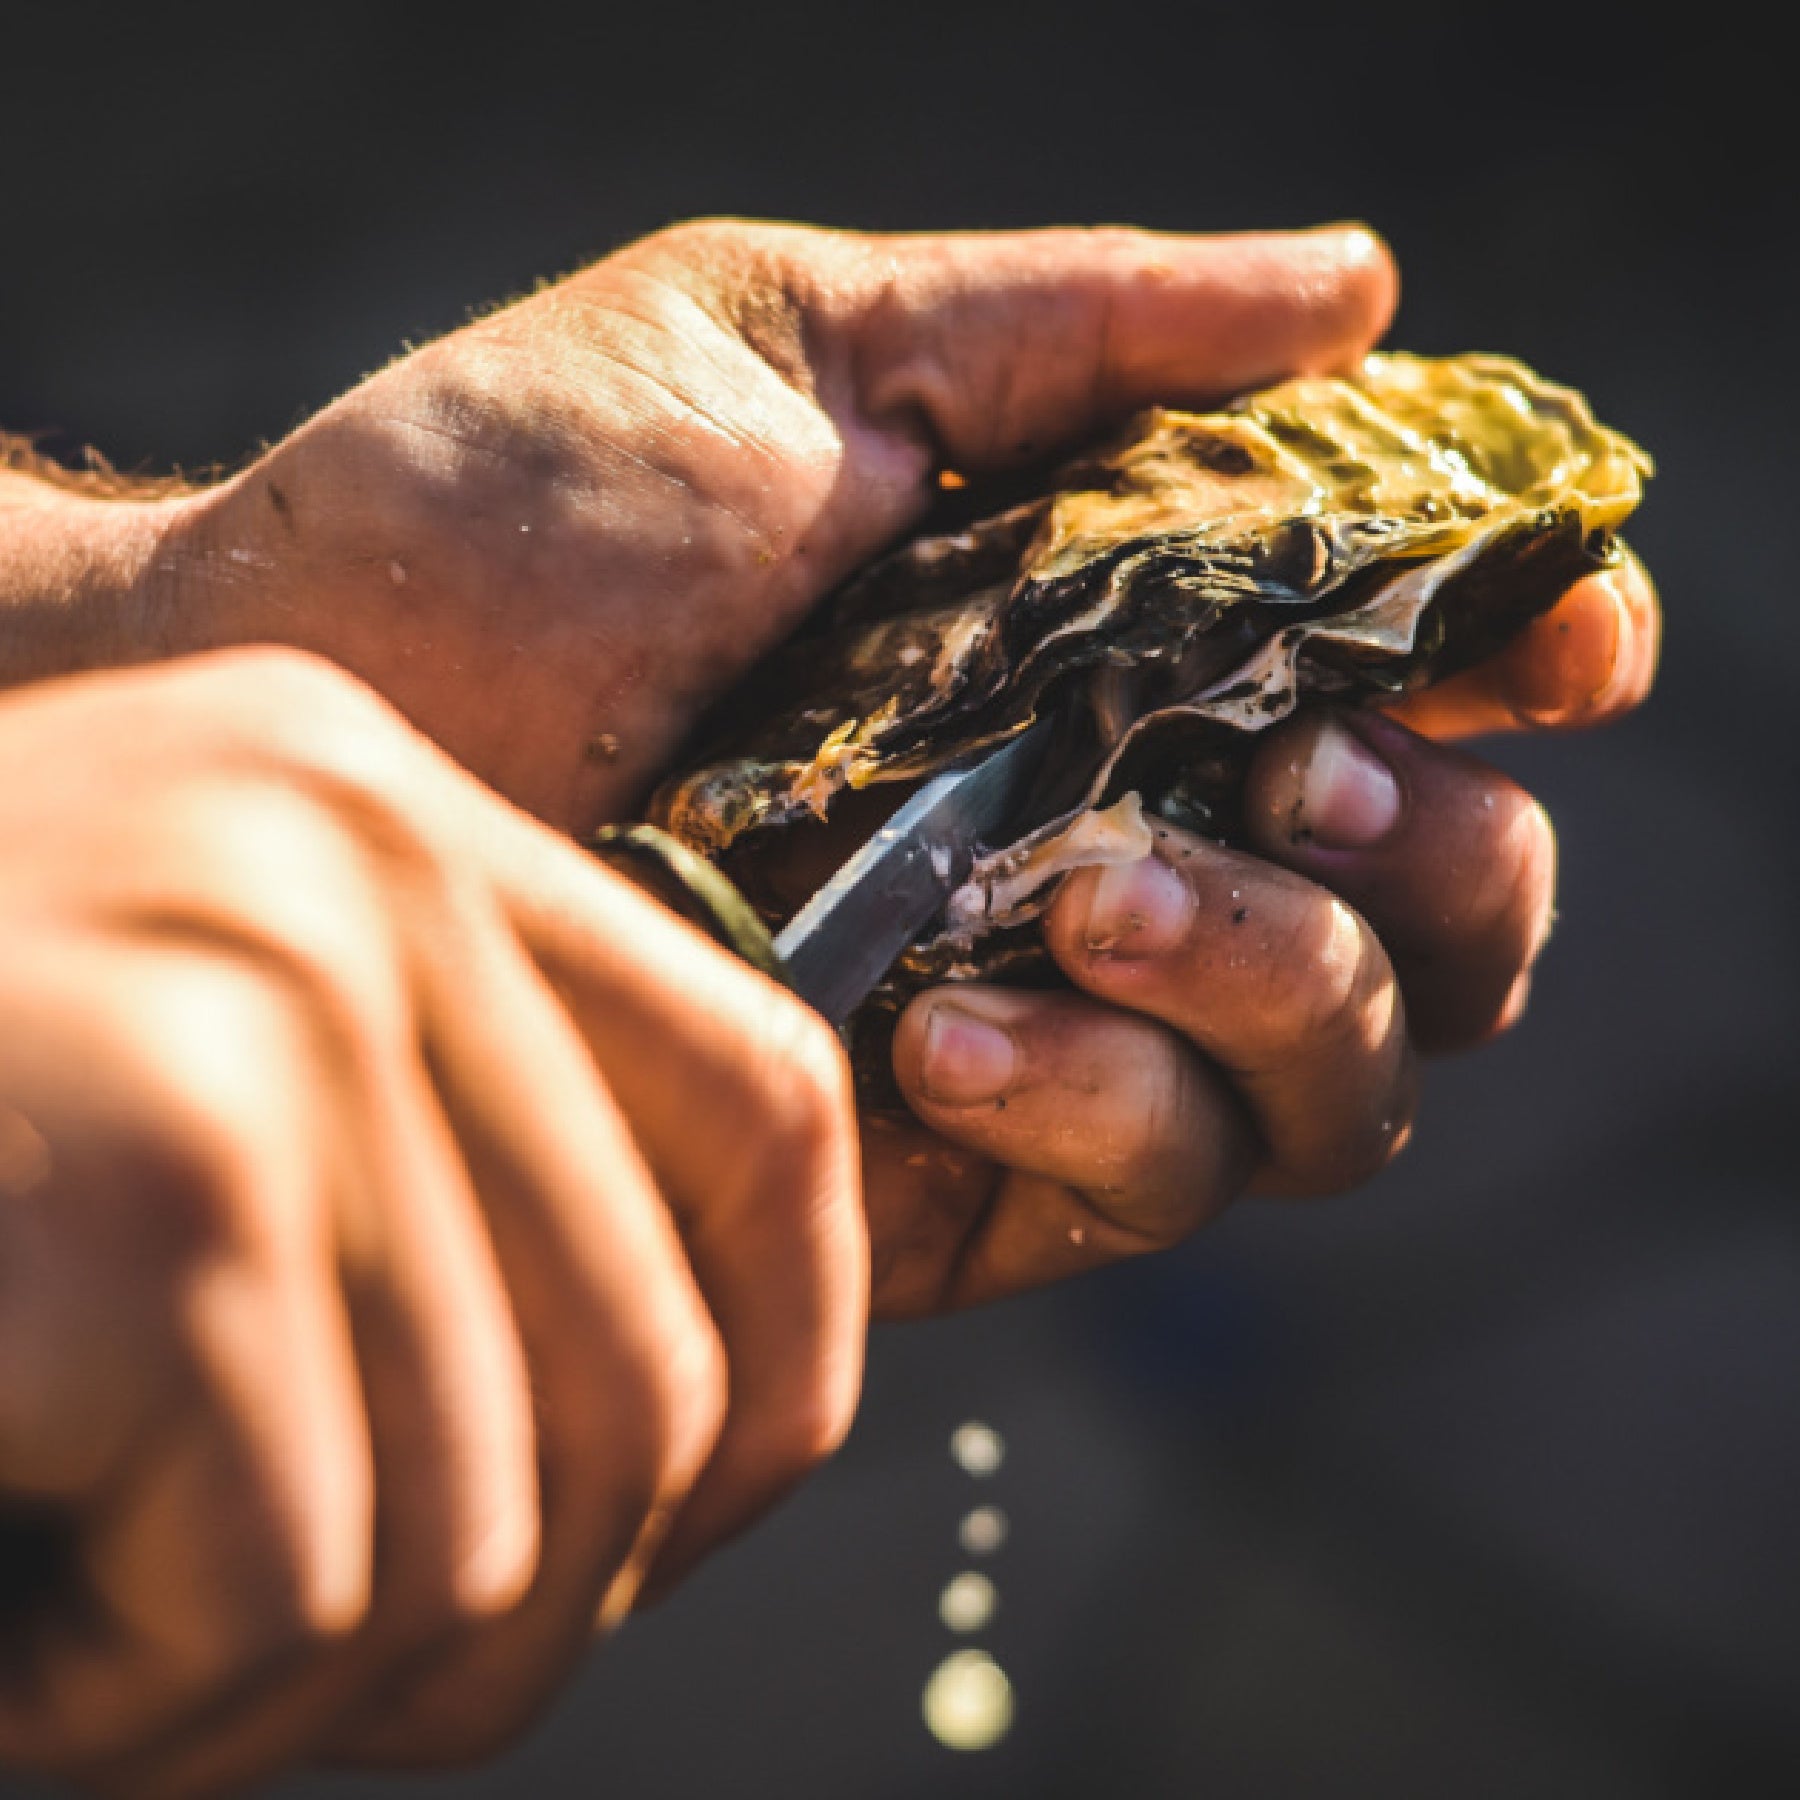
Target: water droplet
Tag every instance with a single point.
(968, 1703)
(977, 1448)
(968, 1601)
(982, 1531)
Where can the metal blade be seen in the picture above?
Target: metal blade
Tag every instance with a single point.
(841, 943)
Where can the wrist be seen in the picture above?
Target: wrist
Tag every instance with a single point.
(84, 582)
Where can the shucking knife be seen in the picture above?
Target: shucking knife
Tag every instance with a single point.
(845, 938)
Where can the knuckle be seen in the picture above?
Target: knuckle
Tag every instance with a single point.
(291, 1602)
(691, 1401)
(1164, 1126)
(764, 283)
(669, 1405)
(309, 730)
(313, 1620)
(1388, 1133)
(704, 257)
(693, 239)
(1391, 1128)
(1186, 1158)
(293, 695)
(638, 1452)
(1319, 987)
(1534, 896)
(228, 1057)
(1512, 1007)
(1359, 1148)
(306, 677)
(201, 1157)
(806, 1429)
(442, 1608)
(364, 771)
(805, 1099)
(721, 241)
(1515, 890)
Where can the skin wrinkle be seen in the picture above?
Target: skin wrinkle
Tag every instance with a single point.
(748, 277)
(957, 1281)
(654, 329)
(1172, 1099)
(890, 394)
(670, 406)
(480, 392)
(585, 493)
(1001, 398)
(859, 452)
(663, 419)
(723, 328)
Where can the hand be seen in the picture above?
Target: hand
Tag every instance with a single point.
(1247, 1020)
(555, 536)
(372, 1311)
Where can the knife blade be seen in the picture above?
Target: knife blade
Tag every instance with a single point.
(845, 938)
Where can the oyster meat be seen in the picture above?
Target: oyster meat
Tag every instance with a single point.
(1170, 595)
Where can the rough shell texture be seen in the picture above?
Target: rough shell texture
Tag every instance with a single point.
(1168, 597)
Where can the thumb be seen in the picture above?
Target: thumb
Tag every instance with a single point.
(986, 348)
(1001, 347)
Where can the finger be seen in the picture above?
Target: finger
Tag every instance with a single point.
(232, 1537)
(628, 1371)
(985, 349)
(1004, 346)
(739, 1098)
(1451, 863)
(1273, 978)
(925, 1197)
(233, 1558)
(202, 1588)
(448, 1400)
(1587, 661)
(1116, 1135)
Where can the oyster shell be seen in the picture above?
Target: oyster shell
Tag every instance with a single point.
(1171, 595)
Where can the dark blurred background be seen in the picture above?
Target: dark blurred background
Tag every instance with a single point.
(1481, 1482)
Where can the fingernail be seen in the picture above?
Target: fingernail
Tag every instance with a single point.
(1138, 909)
(1624, 635)
(1349, 799)
(965, 1059)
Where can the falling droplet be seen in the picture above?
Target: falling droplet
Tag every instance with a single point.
(982, 1531)
(968, 1702)
(978, 1449)
(967, 1602)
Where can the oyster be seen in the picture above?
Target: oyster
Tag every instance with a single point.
(1172, 594)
